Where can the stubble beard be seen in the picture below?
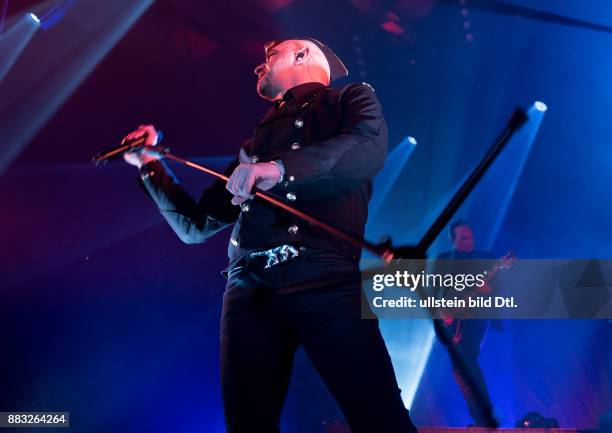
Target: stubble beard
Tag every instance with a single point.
(265, 88)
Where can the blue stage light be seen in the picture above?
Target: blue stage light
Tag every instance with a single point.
(14, 41)
(540, 106)
(27, 104)
(384, 182)
(34, 18)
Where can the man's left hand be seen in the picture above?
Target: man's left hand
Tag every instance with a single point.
(262, 175)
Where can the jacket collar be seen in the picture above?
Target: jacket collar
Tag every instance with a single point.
(294, 98)
(299, 92)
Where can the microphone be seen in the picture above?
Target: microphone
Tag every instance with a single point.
(104, 156)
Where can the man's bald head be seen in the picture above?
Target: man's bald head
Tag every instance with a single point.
(290, 63)
(314, 61)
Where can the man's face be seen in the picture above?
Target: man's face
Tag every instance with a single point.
(464, 239)
(275, 73)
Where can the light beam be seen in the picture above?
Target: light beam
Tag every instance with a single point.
(14, 41)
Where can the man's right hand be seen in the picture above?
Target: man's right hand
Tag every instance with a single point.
(141, 157)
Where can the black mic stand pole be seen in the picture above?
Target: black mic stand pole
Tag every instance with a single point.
(518, 119)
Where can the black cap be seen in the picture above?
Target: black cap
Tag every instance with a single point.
(336, 67)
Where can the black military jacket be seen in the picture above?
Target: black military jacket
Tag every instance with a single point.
(332, 143)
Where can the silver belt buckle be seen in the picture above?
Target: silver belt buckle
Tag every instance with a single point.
(277, 255)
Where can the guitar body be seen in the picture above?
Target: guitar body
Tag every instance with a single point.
(450, 330)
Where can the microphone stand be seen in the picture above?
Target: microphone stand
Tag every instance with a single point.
(385, 250)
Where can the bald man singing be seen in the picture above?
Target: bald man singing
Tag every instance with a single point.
(289, 283)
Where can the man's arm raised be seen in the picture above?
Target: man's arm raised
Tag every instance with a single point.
(192, 221)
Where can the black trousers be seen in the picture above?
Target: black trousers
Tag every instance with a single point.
(262, 328)
(475, 391)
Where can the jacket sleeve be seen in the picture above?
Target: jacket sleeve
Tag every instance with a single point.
(192, 221)
(358, 152)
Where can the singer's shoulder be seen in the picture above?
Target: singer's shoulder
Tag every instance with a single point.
(350, 93)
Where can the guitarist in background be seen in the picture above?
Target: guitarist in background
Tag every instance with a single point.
(466, 335)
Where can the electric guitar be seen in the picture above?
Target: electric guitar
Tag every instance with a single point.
(451, 324)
